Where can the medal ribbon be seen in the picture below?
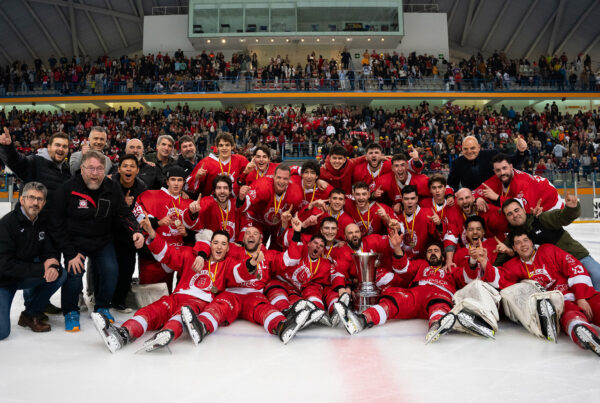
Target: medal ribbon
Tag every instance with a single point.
(312, 273)
(361, 218)
(224, 219)
(278, 206)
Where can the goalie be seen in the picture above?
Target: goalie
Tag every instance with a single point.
(555, 282)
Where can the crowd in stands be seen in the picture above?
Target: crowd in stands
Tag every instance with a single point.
(558, 143)
(209, 71)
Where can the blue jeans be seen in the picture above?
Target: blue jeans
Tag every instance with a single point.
(105, 274)
(593, 268)
(36, 292)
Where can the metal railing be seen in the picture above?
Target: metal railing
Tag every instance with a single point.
(243, 84)
(170, 10)
(421, 8)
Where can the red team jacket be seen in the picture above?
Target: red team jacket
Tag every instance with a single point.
(212, 217)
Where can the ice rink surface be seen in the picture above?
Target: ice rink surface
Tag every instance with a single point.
(243, 363)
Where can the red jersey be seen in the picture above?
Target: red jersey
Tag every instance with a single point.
(300, 270)
(419, 273)
(160, 204)
(363, 173)
(264, 206)
(254, 175)
(419, 231)
(340, 178)
(211, 216)
(242, 282)
(551, 267)
(312, 194)
(214, 167)
(528, 188)
(392, 188)
(203, 285)
(451, 217)
(368, 221)
(462, 260)
(495, 223)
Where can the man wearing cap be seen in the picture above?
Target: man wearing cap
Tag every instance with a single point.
(165, 209)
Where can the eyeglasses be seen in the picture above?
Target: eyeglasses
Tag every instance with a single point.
(34, 198)
(94, 170)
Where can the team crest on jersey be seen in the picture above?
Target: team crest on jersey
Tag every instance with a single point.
(83, 203)
(300, 276)
(201, 280)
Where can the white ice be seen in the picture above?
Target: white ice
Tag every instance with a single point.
(243, 363)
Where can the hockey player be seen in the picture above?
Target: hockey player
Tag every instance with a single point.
(214, 212)
(376, 165)
(225, 163)
(244, 295)
(475, 237)
(259, 167)
(537, 193)
(263, 203)
(303, 274)
(164, 209)
(553, 269)
(421, 225)
(388, 187)
(495, 223)
(312, 188)
(338, 168)
(370, 216)
(429, 295)
(332, 207)
(196, 289)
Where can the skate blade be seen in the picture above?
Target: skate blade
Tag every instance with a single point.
(300, 321)
(446, 323)
(548, 314)
(348, 325)
(314, 317)
(187, 319)
(159, 342)
(585, 337)
(110, 341)
(468, 323)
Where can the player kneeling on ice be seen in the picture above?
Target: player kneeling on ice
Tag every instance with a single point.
(429, 294)
(542, 282)
(243, 296)
(198, 285)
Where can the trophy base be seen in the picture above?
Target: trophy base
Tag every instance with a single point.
(363, 302)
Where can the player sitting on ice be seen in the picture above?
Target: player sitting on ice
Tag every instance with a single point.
(243, 296)
(303, 275)
(527, 276)
(197, 287)
(429, 294)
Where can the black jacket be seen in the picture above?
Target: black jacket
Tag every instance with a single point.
(84, 221)
(24, 246)
(39, 167)
(471, 174)
(152, 176)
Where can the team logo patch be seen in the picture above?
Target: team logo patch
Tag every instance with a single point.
(83, 203)
(41, 236)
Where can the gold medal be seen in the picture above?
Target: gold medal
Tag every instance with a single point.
(177, 222)
(214, 289)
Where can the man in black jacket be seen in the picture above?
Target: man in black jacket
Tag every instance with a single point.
(149, 172)
(89, 209)
(28, 261)
(474, 166)
(49, 166)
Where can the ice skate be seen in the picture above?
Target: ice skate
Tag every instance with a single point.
(548, 320)
(439, 327)
(335, 318)
(353, 322)
(195, 328)
(287, 329)
(114, 337)
(160, 340)
(314, 316)
(300, 305)
(586, 338)
(325, 320)
(475, 324)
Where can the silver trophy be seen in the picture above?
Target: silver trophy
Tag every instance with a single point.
(367, 292)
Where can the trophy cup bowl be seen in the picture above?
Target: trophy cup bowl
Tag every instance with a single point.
(367, 292)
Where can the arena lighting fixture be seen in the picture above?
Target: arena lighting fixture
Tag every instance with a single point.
(223, 41)
(382, 39)
(318, 39)
(208, 41)
(287, 40)
(368, 39)
(332, 39)
(348, 39)
(302, 40)
(272, 39)
(256, 40)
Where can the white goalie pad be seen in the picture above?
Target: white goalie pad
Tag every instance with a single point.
(203, 235)
(479, 298)
(145, 294)
(520, 304)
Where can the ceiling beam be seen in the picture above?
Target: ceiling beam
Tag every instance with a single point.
(453, 11)
(520, 26)
(140, 14)
(93, 9)
(575, 26)
(73, 22)
(592, 44)
(96, 30)
(559, 12)
(495, 24)
(6, 55)
(118, 24)
(470, 21)
(540, 35)
(18, 33)
(64, 20)
(42, 27)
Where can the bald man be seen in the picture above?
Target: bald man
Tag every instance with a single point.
(474, 166)
(149, 172)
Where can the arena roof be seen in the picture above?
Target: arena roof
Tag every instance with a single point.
(521, 28)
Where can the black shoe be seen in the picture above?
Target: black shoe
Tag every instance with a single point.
(43, 317)
(121, 308)
(52, 309)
